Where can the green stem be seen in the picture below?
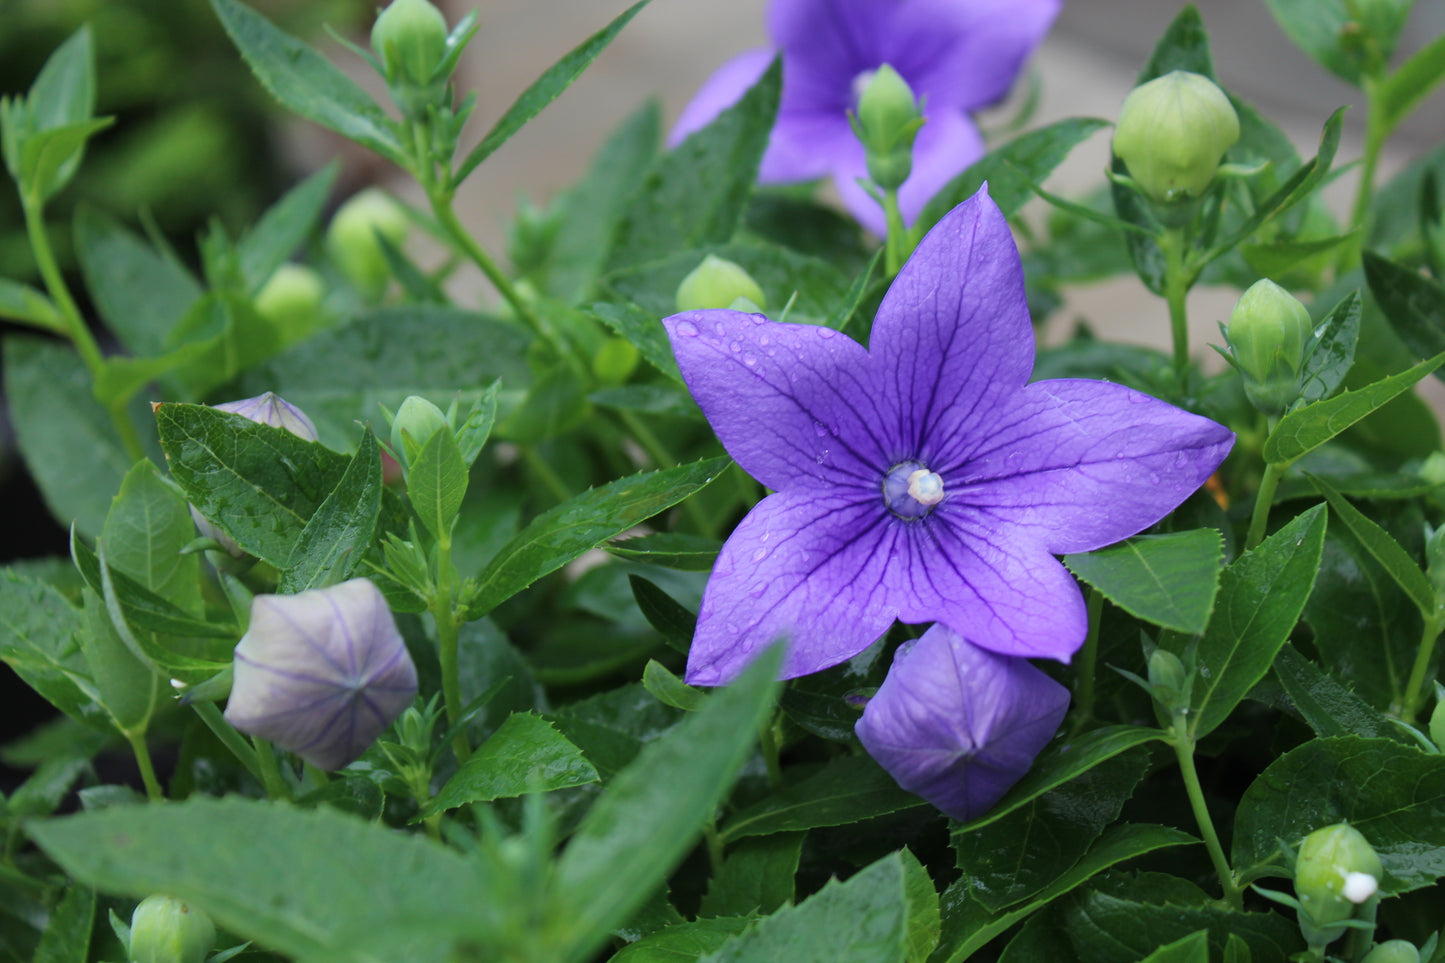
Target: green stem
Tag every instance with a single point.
(1375, 136)
(1183, 745)
(1087, 662)
(768, 743)
(896, 248)
(1176, 290)
(545, 474)
(1415, 687)
(137, 740)
(448, 644)
(714, 845)
(270, 771)
(1262, 502)
(1358, 941)
(442, 208)
(229, 737)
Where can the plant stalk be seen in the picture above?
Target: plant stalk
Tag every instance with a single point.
(1177, 282)
(270, 771)
(1415, 687)
(137, 740)
(1263, 500)
(1183, 745)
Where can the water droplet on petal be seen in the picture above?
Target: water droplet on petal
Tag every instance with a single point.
(760, 554)
(763, 340)
(749, 360)
(687, 329)
(1135, 398)
(757, 593)
(826, 333)
(820, 429)
(736, 347)
(1180, 460)
(822, 456)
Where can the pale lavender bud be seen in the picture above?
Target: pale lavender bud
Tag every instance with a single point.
(321, 673)
(957, 724)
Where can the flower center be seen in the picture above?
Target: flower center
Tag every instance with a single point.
(911, 491)
(861, 80)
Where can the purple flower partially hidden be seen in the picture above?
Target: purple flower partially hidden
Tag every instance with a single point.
(321, 673)
(923, 479)
(957, 55)
(958, 725)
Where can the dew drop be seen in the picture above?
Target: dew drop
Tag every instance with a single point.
(760, 554)
(764, 340)
(822, 456)
(749, 360)
(1180, 460)
(757, 593)
(731, 627)
(1135, 398)
(687, 329)
(736, 347)
(820, 429)
(826, 333)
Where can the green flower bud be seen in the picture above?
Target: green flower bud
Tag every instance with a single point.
(1337, 869)
(351, 239)
(291, 298)
(717, 283)
(886, 123)
(1173, 132)
(1432, 469)
(1268, 331)
(166, 930)
(1393, 951)
(615, 361)
(1437, 725)
(416, 421)
(410, 39)
(1435, 559)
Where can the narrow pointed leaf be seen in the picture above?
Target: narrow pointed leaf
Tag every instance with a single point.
(140, 293)
(437, 482)
(1169, 580)
(1327, 705)
(1382, 546)
(527, 754)
(845, 790)
(1334, 354)
(21, 302)
(1412, 303)
(284, 227)
(1409, 84)
(330, 547)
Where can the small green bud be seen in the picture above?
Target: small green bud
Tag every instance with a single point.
(1173, 132)
(351, 238)
(615, 361)
(416, 421)
(1432, 469)
(717, 283)
(1166, 673)
(1435, 559)
(886, 123)
(1393, 951)
(1437, 725)
(1268, 331)
(410, 39)
(1337, 869)
(291, 298)
(166, 930)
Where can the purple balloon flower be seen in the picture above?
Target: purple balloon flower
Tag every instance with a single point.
(321, 673)
(958, 725)
(957, 55)
(923, 479)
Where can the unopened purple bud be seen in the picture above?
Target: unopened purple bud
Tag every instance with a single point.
(957, 724)
(321, 673)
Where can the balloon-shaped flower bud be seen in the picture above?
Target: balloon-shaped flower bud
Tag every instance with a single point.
(410, 39)
(957, 724)
(1437, 720)
(615, 361)
(719, 283)
(1168, 680)
(267, 409)
(416, 421)
(352, 238)
(321, 673)
(291, 298)
(1393, 951)
(1336, 870)
(166, 930)
(886, 124)
(1173, 132)
(1268, 331)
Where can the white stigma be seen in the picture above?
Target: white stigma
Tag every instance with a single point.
(861, 82)
(1359, 887)
(926, 487)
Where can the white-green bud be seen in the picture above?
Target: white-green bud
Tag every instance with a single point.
(291, 297)
(615, 361)
(416, 421)
(717, 283)
(166, 930)
(1393, 951)
(1268, 331)
(886, 123)
(1173, 132)
(410, 39)
(1336, 870)
(351, 238)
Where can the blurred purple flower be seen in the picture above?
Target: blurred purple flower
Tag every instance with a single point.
(925, 478)
(958, 725)
(957, 55)
(321, 673)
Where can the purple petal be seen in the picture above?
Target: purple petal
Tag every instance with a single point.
(793, 404)
(959, 566)
(959, 725)
(826, 44)
(808, 144)
(720, 91)
(806, 565)
(946, 145)
(966, 54)
(952, 337)
(1081, 464)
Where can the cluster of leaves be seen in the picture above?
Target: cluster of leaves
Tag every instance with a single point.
(556, 812)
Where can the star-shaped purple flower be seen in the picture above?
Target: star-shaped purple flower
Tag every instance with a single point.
(957, 55)
(923, 479)
(958, 725)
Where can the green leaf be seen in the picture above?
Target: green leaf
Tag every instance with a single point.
(848, 314)
(68, 441)
(1193, 948)
(925, 923)
(679, 550)
(1317, 27)
(672, 691)
(555, 405)
(1407, 85)
(63, 96)
(67, 936)
(756, 878)
(968, 926)
(1261, 597)
(341, 881)
(1063, 761)
(844, 790)
(1274, 258)
(119, 377)
(306, 83)
(1059, 827)
(1184, 46)
(38, 640)
(283, 228)
(1305, 429)
(148, 525)
(21, 302)
(649, 399)
(650, 814)
(473, 434)
(1392, 793)
(436, 483)
(143, 609)
(330, 547)
(862, 920)
(128, 687)
(1333, 354)
(1011, 170)
(1412, 303)
(674, 621)
(644, 330)
(546, 89)
(1381, 544)
(1169, 580)
(1328, 705)
(684, 942)
(259, 484)
(580, 524)
(49, 158)
(697, 193)
(526, 755)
